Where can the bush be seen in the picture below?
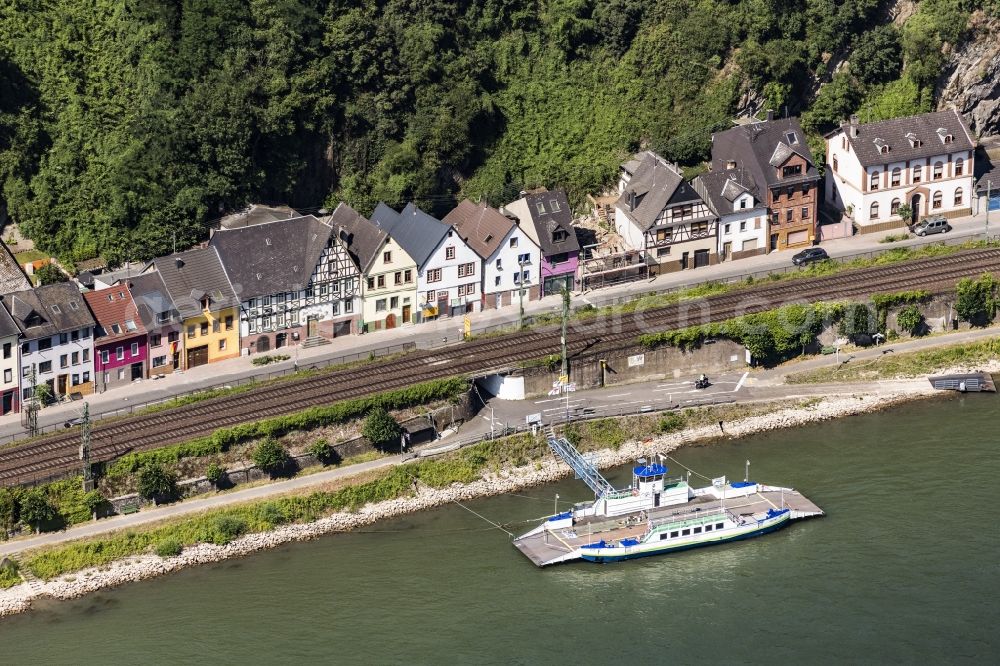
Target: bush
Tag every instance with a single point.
(911, 320)
(226, 529)
(380, 428)
(50, 274)
(8, 511)
(268, 359)
(672, 422)
(169, 547)
(215, 473)
(156, 482)
(9, 577)
(36, 508)
(270, 456)
(976, 302)
(322, 450)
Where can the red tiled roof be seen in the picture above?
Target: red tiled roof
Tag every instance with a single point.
(113, 309)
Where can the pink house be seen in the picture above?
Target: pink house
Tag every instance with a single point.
(548, 219)
(120, 345)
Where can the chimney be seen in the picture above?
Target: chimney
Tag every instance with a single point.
(770, 114)
(179, 263)
(854, 127)
(631, 200)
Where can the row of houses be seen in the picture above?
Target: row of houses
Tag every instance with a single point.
(762, 191)
(264, 282)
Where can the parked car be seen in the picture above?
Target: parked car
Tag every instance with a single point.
(809, 255)
(935, 224)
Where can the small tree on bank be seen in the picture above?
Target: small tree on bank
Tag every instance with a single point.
(976, 302)
(270, 456)
(50, 274)
(36, 508)
(380, 428)
(911, 320)
(215, 473)
(154, 482)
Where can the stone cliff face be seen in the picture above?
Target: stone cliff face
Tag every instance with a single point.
(971, 79)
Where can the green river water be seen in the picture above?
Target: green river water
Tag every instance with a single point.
(904, 569)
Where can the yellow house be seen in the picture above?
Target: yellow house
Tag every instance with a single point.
(388, 273)
(208, 306)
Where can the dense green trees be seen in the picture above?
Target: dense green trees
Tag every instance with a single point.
(125, 125)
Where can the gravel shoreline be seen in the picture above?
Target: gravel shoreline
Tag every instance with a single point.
(18, 599)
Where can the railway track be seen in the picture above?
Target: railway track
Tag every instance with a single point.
(58, 454)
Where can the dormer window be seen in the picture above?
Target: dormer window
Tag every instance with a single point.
(792, 138)
(882, 146)
(73, 305)
(540, 206)
(914, 141)
(554, 205)
(946, 137)
(55, 308)
(559, 235)
(793, 170)
(116, 329)
(730, 164)
(204, 303)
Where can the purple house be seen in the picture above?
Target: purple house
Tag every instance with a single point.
(547, 218)
(120, 345)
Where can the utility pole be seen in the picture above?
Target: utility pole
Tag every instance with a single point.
(989, 185)
(88, 472)
(32, 406)
(565, 320)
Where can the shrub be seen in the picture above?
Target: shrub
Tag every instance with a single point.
(380, 428)
(322, 450)
(858, 321)
(36, 508)
(270, 456)
(9, 577)
(267, 359)
(215, 473)
(8, 510)
(672, 422)
(169, 547)
(911, 320)
(976, 302)
(227, 528)
(156, 482)
(50, 274)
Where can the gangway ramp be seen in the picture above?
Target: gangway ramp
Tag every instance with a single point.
(584, 468)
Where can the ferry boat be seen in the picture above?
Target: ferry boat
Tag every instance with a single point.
(656, 514)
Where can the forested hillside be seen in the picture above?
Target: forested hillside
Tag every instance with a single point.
(124, 122)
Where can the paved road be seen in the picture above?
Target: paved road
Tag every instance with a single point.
(755, 385)
(447, 331)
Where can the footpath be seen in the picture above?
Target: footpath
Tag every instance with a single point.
(447, 331)
(750, 386)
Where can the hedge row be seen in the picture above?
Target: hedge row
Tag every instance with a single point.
(314, 417)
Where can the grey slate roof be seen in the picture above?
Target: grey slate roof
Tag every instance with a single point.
(48, 310)
(7, 325)
(720, 189)
(188, 276)
(756, 146)
(271, 257)
(894, 133)
(363, 239)
(151, 298)
(482, 227)
(988, 176)
(653, 184)
(12, 277)
(557, 215)
(257, 214)
(416, 232)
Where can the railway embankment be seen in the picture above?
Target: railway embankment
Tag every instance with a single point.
(74, 569)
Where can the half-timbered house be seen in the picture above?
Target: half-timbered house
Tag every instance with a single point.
(659, 214)
(295, 280)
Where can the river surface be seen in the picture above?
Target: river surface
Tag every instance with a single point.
(904, 569)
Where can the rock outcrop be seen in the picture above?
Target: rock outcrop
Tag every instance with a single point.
(971, 79)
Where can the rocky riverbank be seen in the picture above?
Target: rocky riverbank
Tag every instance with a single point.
(18, 599)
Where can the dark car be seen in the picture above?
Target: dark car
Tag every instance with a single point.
(809, 255)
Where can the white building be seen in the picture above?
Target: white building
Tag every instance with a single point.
(449, 272)
(57, 338)
(511, 259)
(12, 279)
(925, 162)
(742, 217)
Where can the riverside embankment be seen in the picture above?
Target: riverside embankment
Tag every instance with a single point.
(506, 480)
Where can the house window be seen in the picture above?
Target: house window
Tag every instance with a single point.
(159, 361)
(116, 329)
(663, 252)
(835, 163)
(958, 197)
(348, 306)
(726, 229)
(64, 361)
(937, 170)
(25, 371)
(387, 257)
(229, 323)
(513, 241)
(75, 358)
(191, 330)
(873, 180)
(7, 349)
(896, 176)
(937, 200)
(45, 366)
(874, 211)
(805, 213)
(8, 376)
(959, 166)
(431, 295)
(86, 377)
(371, 283)
(397, 278)
(918, 173)
(743, 225)
(120, 353)
(155, 340)
(793, 170)
(394, 302)
(449, 252)
(663, 235)
(523, 259)
(222, 344)
(743, 203)
(74, 336)
(216, 325)
(894, 207)
(434, 275)
(775, 219)
(467, 270)
(121, 374)
(380, 281)
(75, 379)
(788, 215)
(105, 357)
(407, 276)
(380, 305)
(699, 228)
(173, 336)
(204, 328)
(135, 349)
(540, 207)
(499, 266)
(86, 356)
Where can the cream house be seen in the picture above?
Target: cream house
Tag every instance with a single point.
(924, 161)
(388, 273)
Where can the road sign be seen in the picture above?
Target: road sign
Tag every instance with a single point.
(563, 379)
